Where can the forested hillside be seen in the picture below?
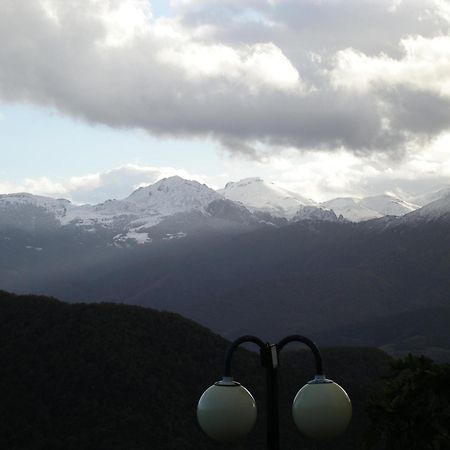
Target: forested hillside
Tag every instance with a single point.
(108, 376)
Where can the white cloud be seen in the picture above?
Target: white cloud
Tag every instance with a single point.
(424, 66)
(316, 174)
(119, 182)
(323, 176)
(39, 186)
(44, 186)
(98, 187)
(260, 66)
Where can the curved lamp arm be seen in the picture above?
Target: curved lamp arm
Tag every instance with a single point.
(234, 345)
(309, 343)
(227, 411)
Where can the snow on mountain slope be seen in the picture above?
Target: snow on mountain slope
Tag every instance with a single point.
(106, 213)
(387, 205)
(65, 212)
(439, 209)
(315, 213)
(432, 196)
(57, 207)
(350, 209)
(173, 195)
(23, 198)
(259, 195)
(358, 210)
(178, 207)
(134, 215)
(148, 205)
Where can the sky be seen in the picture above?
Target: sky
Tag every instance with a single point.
(326, 98)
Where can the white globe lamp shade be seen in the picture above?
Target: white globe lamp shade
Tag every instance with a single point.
(226, 411)
(322, 409)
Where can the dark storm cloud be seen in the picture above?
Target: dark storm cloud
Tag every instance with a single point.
(419, 112)
(207, 73)
(319, 120)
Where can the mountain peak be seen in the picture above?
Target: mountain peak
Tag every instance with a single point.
(175, 182)
(350, 208)
(259, 195)
(436, 194)
(387, 205)
(24, 198)
(174, 194)
(373, 207)
(244, 182)
(438, 209)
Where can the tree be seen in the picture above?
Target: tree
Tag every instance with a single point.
(412, 409)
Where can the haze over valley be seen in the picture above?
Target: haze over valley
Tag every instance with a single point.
(251, 257)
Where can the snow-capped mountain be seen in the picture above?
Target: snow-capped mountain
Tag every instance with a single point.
(432, 196)
(32, 212)
(315, 213)
(173, 204)
(171, 196)
(147, 207)
(173, 208)
(388, 205)
(350, 208)
(259, 195)
(439, 209)
(358, 210)
(58, 207)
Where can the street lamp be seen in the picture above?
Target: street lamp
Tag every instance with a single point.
(227, 411)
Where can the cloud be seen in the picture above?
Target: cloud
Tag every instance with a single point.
(413, 90)
(424, 66)
(324, 27)
(97, 187)
(310, 75)
(258, 67)
(118, 182)
(39, 186)
(319, 175)
(322, 176)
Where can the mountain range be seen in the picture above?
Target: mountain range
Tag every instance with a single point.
(249, 258)
(173, 208)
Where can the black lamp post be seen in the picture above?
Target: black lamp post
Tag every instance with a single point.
(227, 411)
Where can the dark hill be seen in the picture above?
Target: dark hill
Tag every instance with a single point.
(108, 376)
(424, 331)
